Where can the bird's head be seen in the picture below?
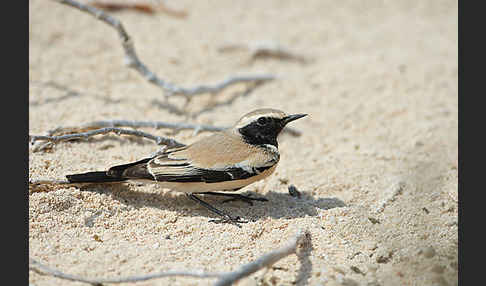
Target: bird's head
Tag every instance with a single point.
(262, 126)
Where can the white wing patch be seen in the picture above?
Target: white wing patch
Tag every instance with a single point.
(244, 165)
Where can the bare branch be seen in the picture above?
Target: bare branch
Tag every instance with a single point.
(223, 278)
(153, 124)
(142, 6)
(41, 146)
(265, 50)
(50, 182)
(134, 62)
(42, 269)
(103, 124)
(266, 260)
(391, 193)
(222, 85)
(42, 185)
(118, 131)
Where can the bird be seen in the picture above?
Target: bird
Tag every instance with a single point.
(223, 162)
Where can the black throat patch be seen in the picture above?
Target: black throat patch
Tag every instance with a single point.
(256, 134)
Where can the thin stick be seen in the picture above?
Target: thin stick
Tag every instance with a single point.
(266, 260)
(265, 50)
(36, 186)
(42, 269)
(121, 123)
(154, 124)
(224, 278)
(222, 85)
(53, 182)
(83, 135)
(134, 62)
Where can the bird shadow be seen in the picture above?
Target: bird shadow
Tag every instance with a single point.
(279, 204)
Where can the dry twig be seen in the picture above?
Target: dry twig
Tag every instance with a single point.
(148, 7)
(114, 6)
(42, 269)
(87, 129)
(53, 182)
(84, 135)
(391, 193)
(134, 62)
(43, 185)
(153, 124)
(228, 278)
(107, 126)
(265, 50)
(266, 260)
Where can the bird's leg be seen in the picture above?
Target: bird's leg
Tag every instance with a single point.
(225, 216)
(236, 197)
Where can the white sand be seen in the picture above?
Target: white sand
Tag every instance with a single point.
(380, 141)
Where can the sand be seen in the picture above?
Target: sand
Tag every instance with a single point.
(377, 160)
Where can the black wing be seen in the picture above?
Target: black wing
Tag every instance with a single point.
(210, 176)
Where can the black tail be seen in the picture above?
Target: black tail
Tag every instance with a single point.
(114, 174)
(93, 177)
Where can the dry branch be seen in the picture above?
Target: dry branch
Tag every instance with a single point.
(265, 50)
(266, 260)
(134, 62)
(42, 269)
(86, 130)
(114, 6)
(52, 182)
(84, 135)
(46, 185)
(148, 7)
(153, 124)
(228, 278)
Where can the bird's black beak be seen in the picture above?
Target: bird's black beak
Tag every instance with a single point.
(290, 118)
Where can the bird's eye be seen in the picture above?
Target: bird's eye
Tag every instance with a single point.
(262, 121)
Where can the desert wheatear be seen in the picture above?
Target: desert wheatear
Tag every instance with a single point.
(225, 161)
